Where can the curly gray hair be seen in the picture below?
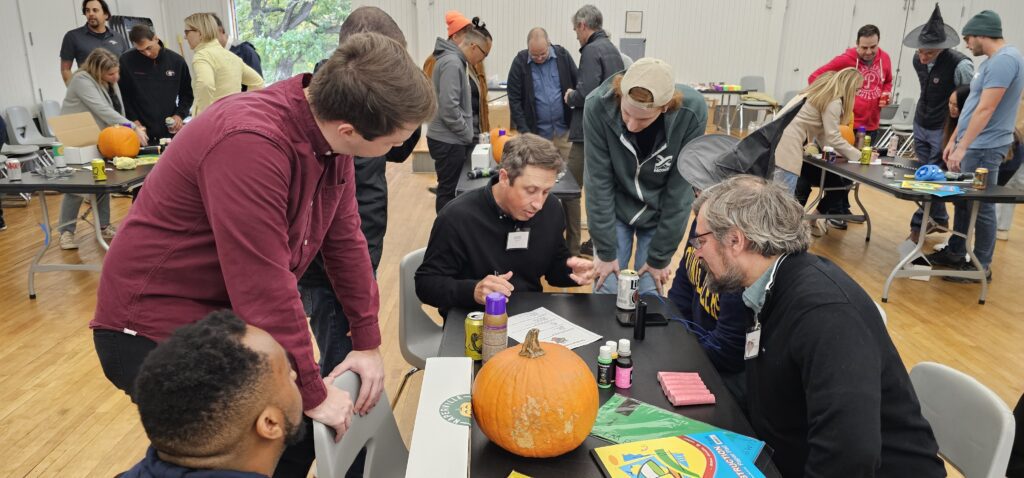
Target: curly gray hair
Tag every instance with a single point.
(764, 212)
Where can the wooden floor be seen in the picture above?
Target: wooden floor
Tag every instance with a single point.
(60, 417)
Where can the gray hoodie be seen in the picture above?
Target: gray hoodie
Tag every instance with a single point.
(454, 121)
(85, 94)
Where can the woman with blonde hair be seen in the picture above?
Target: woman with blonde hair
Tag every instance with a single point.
(829, 103)
(93, 89)
(216, 71)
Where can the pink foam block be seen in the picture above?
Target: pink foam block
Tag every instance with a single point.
(680, 400)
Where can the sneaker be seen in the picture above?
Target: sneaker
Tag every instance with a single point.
(965, 266)
(946, 258)
(432, 190)
(108, 232)
(67, 241)
(1000, 234)
(837, 224)
(587, 248)
(818, 228)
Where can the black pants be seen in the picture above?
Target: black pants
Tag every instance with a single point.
(833, 202)
(121, 356)
(448, 162)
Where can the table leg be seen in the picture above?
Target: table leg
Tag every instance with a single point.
(96, 224)
(975, 205)
(819, 196)
(45, 226)
(867, 218)
(913, 254)
(727, 100)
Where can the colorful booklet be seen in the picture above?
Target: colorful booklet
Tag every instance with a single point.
(653, 442)
(932, 188)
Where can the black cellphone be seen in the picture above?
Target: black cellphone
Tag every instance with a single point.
(627, 317)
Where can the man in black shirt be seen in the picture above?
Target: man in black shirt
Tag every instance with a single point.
(502, 237)
(826, 388)
(155, 84)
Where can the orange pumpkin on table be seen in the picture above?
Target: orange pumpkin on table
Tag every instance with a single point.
(118, 140)
(498, 138)
(535, 401)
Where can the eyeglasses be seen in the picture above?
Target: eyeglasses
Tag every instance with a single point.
(695, 241)
(482, 52)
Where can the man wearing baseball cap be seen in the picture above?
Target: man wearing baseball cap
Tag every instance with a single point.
(940, 69)
(635, 124)
(982, 138)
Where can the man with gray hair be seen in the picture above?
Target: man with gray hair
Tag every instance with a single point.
(826, 388)
(599, 59)
(502, 237)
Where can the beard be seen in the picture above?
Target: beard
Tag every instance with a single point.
(729, 281)
(294, 432)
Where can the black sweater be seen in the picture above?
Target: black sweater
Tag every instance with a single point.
(828, 390)
(467, 243)
(155, 89)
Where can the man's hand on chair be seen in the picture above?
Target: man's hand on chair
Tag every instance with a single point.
(369, 365)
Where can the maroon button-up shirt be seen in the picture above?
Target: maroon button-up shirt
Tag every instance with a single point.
(231, 216)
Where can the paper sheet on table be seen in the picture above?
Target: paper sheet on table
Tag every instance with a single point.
(553, 328)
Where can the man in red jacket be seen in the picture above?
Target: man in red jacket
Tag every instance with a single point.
(241, 202)
(876, 68)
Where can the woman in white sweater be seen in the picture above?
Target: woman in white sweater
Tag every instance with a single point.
(829, 104)
(93, 88)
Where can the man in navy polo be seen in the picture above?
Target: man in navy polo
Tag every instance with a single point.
(78, 43)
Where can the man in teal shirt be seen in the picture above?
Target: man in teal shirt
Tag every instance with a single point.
(983, 137)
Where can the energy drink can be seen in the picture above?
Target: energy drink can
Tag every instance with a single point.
(865, 155)
(13, 169)
(474, 335)
(99, 173)
(980, 178)
(629, 281)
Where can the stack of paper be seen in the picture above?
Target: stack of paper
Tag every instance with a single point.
(685, 388)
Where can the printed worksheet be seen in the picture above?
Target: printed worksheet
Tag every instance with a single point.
(553, 328)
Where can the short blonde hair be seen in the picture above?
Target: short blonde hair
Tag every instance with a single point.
(842, 84)
(205, 24)
(98, 63)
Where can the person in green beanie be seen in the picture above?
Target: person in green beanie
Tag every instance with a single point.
(982, 138)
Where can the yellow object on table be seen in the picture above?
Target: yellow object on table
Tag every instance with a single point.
(124, 162)
(516, 474)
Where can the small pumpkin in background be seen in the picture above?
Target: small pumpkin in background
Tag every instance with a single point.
(498, 138)
(535, 401)
(118, 140)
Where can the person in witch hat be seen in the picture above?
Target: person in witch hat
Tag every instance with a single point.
(940, 69)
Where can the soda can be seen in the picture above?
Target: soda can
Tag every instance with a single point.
(13, 169)
(865, 155)
(885, 98)
(629, 281)
(475, 335)
(980, 178)
(58, 156)
(99, 173)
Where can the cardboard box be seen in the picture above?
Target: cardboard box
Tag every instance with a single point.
(481, 157)
(78, 133)
(441, 434)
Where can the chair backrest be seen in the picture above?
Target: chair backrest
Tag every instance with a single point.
(377, 431)
(419, 337)
(48, 109)
(752, 83)
(973, 426)
(21, 127)
(881, 311)
(905, 113)
(788, 96)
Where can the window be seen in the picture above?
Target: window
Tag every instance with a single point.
(291, 36)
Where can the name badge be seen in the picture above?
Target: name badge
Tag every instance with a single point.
(517, 240)
(753, 345)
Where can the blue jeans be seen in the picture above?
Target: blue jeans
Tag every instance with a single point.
(624, 234)
(928, 148)
(329, 324)
(786, 179)
(985, 227)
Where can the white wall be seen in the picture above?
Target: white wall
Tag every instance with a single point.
(782, 40)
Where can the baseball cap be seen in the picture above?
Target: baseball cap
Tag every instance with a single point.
(653, 75)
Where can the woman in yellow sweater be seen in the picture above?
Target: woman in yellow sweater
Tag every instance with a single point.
(216, 72)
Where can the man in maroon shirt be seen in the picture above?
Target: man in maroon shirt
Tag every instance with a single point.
(241, 202)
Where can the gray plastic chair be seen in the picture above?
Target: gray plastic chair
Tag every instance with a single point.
(419, 337)
(754, 83)
(48, 109)
(386, 454)
(897, 122)
(23, 130)
(973, 426)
